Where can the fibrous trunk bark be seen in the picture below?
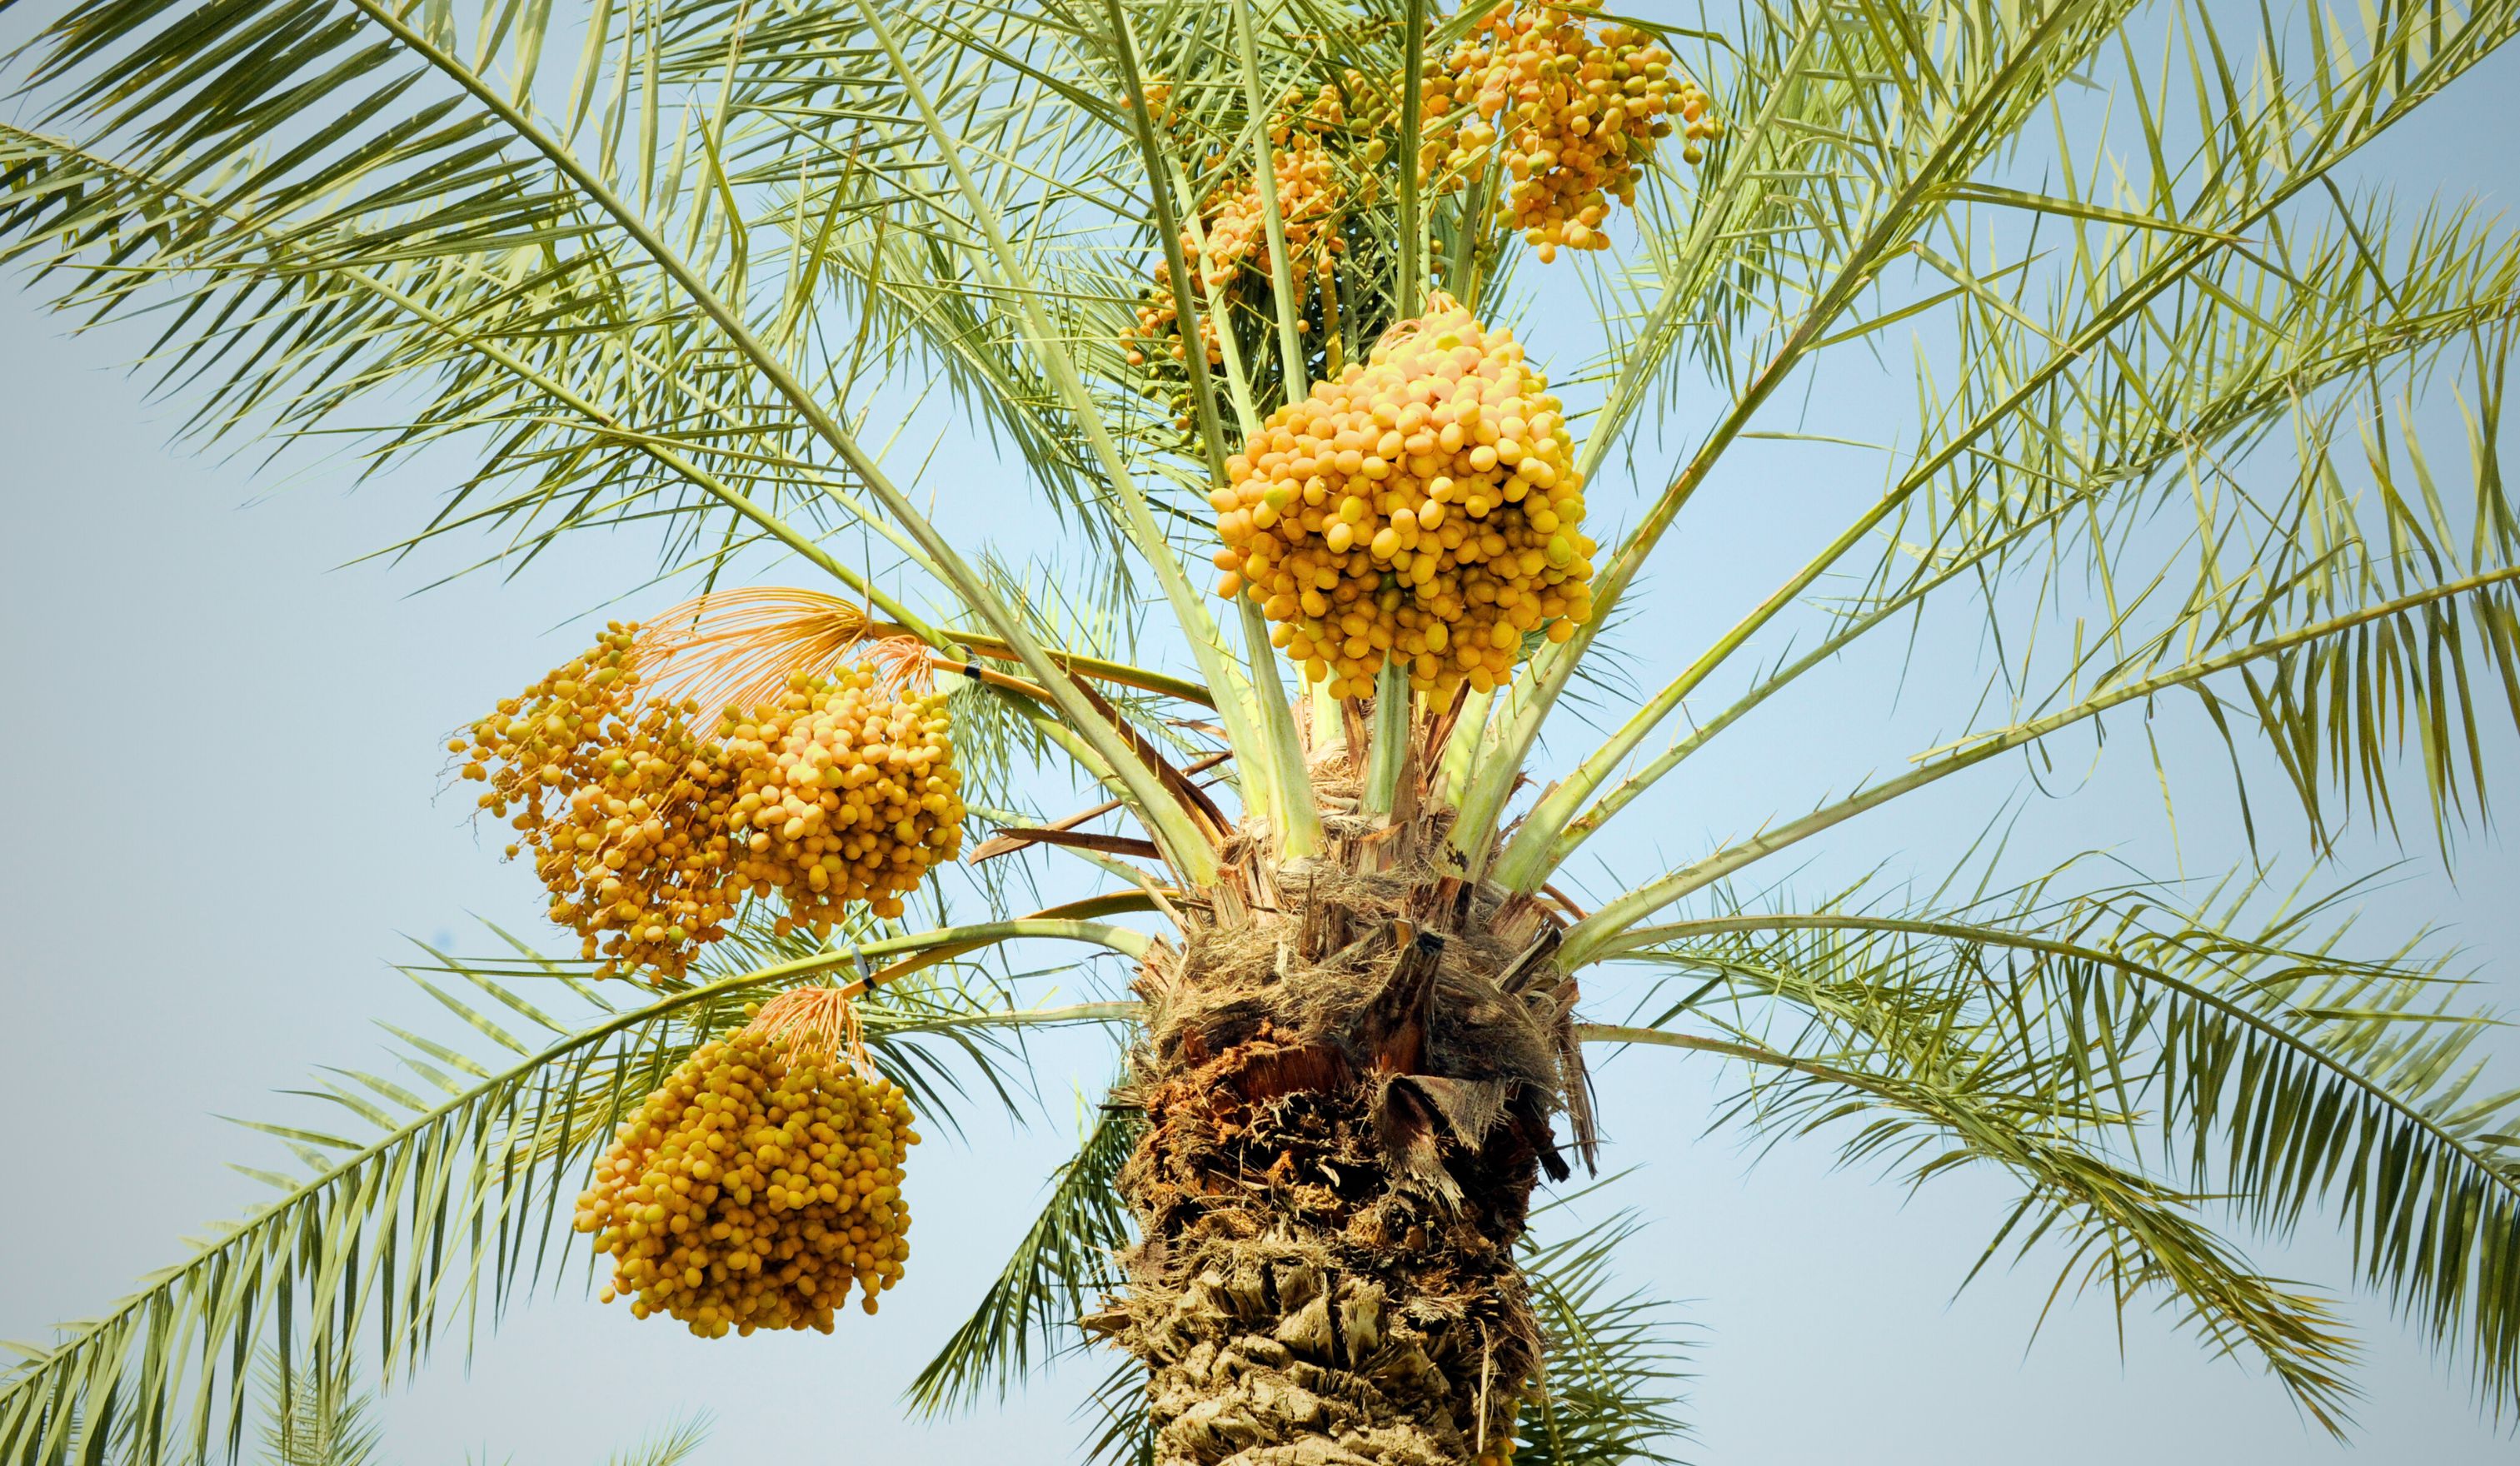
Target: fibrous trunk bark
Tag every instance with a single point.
(1349, 1074)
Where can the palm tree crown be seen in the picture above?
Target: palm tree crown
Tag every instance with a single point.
(1372, 360)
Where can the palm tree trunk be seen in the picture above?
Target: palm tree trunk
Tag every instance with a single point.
(1349, 1071)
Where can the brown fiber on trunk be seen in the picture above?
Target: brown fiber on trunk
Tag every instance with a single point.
(1349, 1071)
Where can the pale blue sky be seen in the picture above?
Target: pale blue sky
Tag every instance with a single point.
(223, 777)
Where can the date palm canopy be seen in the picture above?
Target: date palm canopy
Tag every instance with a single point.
(2203, 434)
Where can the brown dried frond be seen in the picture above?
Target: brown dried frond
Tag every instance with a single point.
(739, 648)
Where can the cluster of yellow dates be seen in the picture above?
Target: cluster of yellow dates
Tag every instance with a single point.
(1423, 505)
(1229, 248)
(647, 834)
(1571, 111)
(1579, 112)
(844, 793)
(757, 1185)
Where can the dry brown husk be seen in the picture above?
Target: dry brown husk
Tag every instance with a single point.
(1350, 1068)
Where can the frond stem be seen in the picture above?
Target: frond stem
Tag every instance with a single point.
(2145, 973)
(965, 581)
(1291, 369)
(1279, 773)
(1554, 831)
(1174, 826)
(1586, 940)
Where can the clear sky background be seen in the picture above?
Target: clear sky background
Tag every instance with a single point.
(223, 783)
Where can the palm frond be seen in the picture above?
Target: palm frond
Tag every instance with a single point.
(2250, 1057)
(1590, 938)
(292, 332)
(2267, 139)
(453, 1202)
(1123, 1429)
(2124, 1234)
(1610, 1360)
(670, 1446)
(314, 1414)
(171, 192)
(1062, 1265)
(119, 73)
(2067, 488)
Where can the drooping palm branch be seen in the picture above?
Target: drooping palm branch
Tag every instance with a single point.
(443, 1195)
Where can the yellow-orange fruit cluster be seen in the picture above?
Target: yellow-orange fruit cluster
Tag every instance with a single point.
(753, 1189)
(1422, 504)
(1579, 112)
(648, 835)
(844, 793)
(1310, 198)
(621, 804)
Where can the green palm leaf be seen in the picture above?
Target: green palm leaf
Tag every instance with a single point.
(2071, 488)
(1057, 1273)
(455, 1200)
(315, 1415)
(1606, 1394)
(2265, 1069)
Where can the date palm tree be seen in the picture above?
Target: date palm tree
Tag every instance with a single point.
(2180, 397)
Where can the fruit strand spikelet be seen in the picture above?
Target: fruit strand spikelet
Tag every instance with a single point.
(761, 1182)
